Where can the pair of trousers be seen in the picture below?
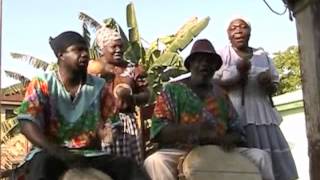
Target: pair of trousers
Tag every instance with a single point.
(44, 166)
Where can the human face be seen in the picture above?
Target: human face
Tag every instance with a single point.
(76, 57)
(202, 68)
(239, 33)
(112, 52)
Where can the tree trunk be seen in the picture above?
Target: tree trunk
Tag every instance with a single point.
(307, 15)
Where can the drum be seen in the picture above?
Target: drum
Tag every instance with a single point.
(212, 163)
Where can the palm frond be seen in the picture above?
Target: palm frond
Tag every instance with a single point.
(89, 21)
(86, 33)
(13, 89)
(24, 80)
(35, 62)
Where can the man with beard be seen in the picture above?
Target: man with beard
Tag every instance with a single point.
(196, 111)
(60, 116)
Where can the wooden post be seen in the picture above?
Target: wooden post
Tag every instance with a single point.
(307, 13)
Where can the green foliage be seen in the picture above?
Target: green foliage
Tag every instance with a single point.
(162, 59)
(288, 66)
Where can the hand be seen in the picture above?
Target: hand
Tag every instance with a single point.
(264, 78)
(105, 133)
(207, 133)
(141, 82)
(243, 66)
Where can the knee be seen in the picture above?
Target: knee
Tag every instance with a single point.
(153, 159)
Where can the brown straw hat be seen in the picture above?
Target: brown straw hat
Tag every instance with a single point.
(203, 46)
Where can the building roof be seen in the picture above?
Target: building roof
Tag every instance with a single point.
(11, 99)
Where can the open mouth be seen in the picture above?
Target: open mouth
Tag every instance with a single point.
(83, 63)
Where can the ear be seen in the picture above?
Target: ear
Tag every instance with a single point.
(60, 56)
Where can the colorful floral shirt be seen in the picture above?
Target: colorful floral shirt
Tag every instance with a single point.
(177, 103)
(70, 123)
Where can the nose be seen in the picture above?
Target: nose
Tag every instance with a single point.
(118, 49)
(85, 53)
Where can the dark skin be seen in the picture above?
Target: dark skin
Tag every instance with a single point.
(239, 36)
(113, 58)
(202, 70)
(72, 66)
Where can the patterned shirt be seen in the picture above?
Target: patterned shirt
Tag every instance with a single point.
(70, 123)
(178, 104)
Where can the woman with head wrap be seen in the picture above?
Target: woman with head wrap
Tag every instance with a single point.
(126, 87)
(60, 115)
(250, 78)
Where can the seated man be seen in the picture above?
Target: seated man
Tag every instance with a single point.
(60, 116)
(195, 111)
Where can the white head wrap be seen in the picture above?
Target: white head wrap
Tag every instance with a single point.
(105, 35)
(235, 17)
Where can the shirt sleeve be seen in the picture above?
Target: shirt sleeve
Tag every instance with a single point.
(162, 114)
(35, 102)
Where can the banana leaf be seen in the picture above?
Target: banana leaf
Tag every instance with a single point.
(137, 52)
(168, 59)
(86, 33)
(132, 24)
(24, 80)
(186, 34)
(89, 21)
(35, 62)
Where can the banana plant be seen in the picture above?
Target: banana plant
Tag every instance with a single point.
(164, 60)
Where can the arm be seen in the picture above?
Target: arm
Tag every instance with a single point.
(34, 135)
(229, 76)
(142, 94)
(269, 80)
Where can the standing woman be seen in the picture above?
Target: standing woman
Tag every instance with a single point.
(126, 87)
(250, 78)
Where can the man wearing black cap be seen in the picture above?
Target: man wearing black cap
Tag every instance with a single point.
(195, 111)
(60, 116)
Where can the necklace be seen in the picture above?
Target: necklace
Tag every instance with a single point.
(72, 94)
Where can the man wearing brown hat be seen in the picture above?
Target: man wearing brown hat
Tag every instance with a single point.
(60, 115)
(195, 111)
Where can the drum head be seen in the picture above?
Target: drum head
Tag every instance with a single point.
(211, 162)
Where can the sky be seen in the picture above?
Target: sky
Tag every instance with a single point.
(27, 25)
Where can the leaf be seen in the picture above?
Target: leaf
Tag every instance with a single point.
(133, 53)
(132, 24)
(89, 21)
(35, 62)
(185, 35)
(24, 80)
(287, 64)
(86, 34)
